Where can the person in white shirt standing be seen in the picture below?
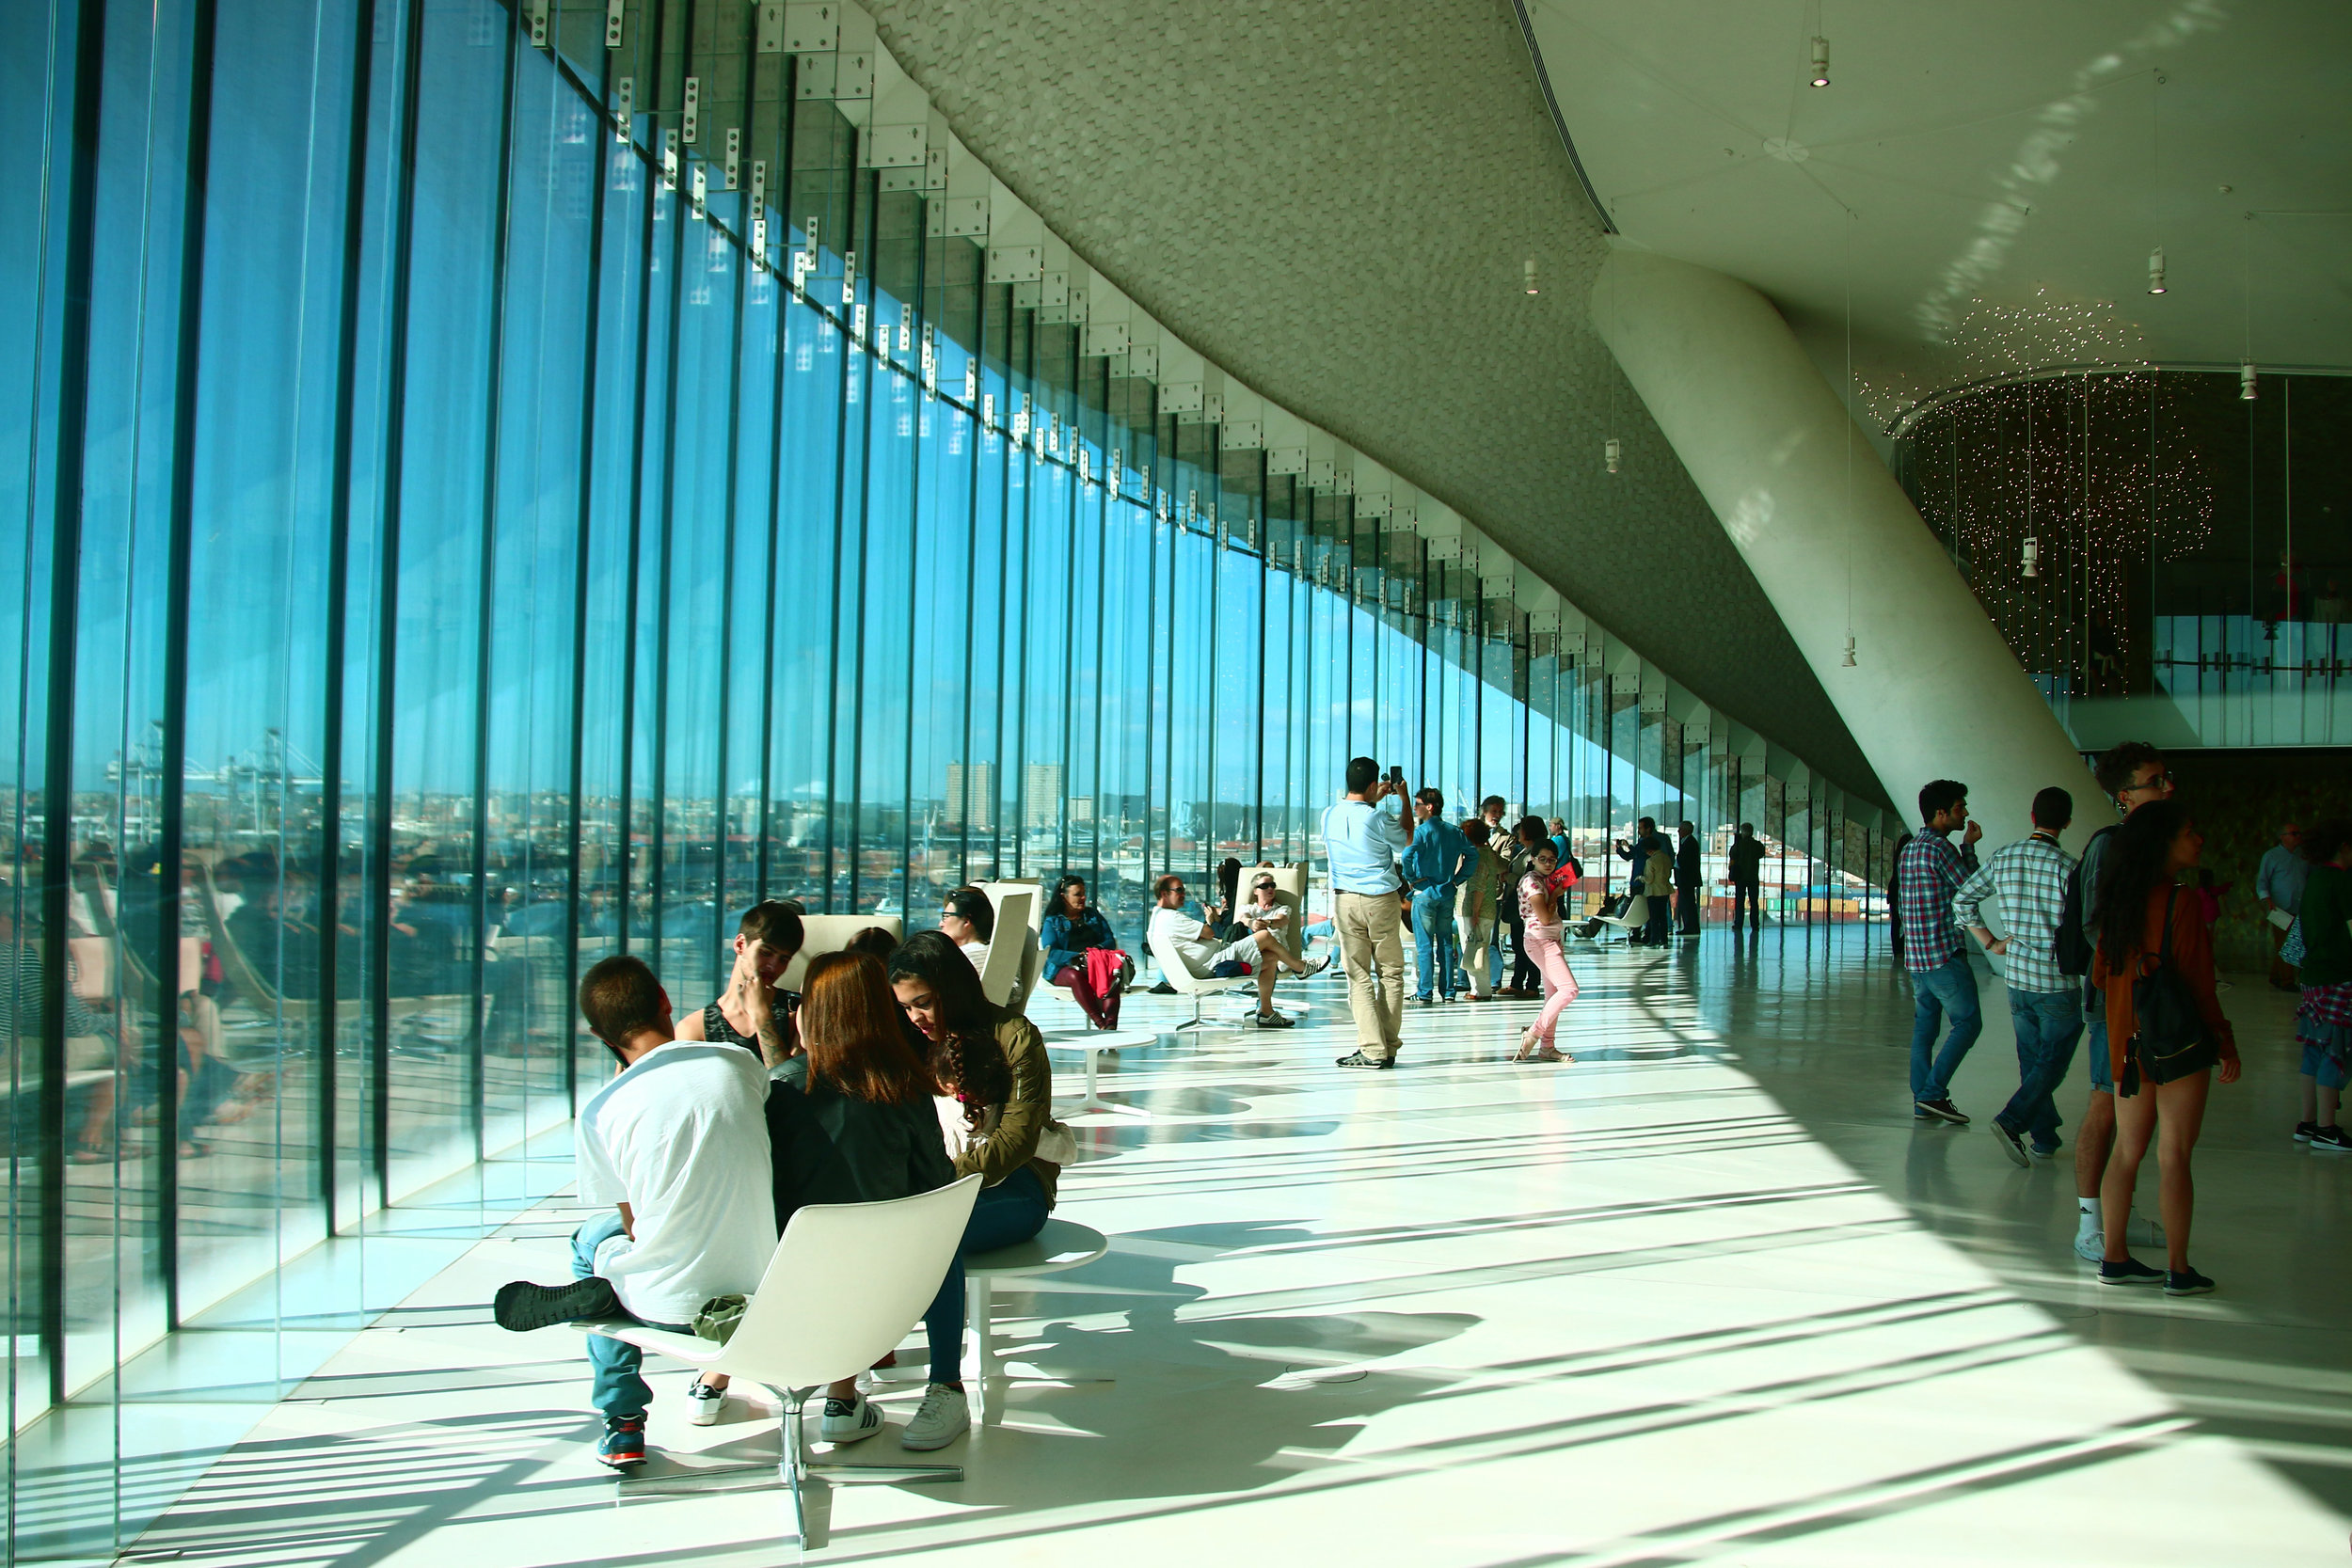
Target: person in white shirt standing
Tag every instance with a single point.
(2029, 878)
(1362, 843)
(678, 1143)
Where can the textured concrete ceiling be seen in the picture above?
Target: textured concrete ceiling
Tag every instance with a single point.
(1333, 199)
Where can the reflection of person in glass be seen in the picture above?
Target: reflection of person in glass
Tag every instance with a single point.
(751, 1012)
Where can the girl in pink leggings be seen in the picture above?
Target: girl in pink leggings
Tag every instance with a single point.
(1540, 895)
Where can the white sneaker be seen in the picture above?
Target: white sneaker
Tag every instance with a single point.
(849, 1421)
(703, 1404)
(944, 1416)
(2091, 1245)
(2143, 1231)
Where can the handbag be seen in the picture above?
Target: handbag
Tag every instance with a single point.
(2173, 1039)
(2292, 952)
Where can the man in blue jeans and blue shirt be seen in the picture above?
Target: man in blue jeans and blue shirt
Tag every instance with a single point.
(676, 1143)
(2029, 878)
(1928, 876)
(1439, 861)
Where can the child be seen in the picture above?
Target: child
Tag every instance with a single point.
(1541, 892)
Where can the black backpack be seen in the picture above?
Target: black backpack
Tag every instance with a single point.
(2074, 950)
(2174, 1040)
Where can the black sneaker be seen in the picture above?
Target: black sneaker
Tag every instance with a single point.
(2330, 1140)
(523, 1306)
(623, 1445)
(2012, 1145)
(2303, 1130)
(1359, 1059)
(1273, 1021)
(1942, 1110)
(2186, 1282)
(2129, 1272)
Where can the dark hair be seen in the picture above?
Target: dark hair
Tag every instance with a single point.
(2324, 838)
(2133, 868)
(1492, 800)
(855, 1033)
(1686, 827)
(2117, 763)
(1362, 773)
(1547, 846)
(620, 996)
(1161, 884)
(1940, 795)
(776, 921)
(2053, 808)
(1431, 796)
(1649, 824)
(968, 1063)
(1748, 828)
(1475, 830)
(875, 942)
(1532, 832)
(1063, 884)
(969, 903)
(933, 958)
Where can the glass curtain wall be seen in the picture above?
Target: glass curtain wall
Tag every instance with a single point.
(500, 488)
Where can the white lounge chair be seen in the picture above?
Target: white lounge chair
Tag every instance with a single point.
(881, 1265)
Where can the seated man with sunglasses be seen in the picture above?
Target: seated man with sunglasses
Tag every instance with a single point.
(676, 1143)
(1202, 950)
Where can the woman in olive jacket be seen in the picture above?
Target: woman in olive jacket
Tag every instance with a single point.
(997, 1106)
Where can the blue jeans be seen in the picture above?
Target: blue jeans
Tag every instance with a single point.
(1011, 1210)
(2096, 1047)
(2048, 1024)
(1951, 988)
(1433, 922)
(619, 1389)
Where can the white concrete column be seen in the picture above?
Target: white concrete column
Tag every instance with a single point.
(1935, 693)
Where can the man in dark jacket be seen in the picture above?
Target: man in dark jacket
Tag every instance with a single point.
(1687, 879)
(1747, 860)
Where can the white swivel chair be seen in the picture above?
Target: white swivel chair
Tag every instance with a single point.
(1001, 897)
(830, 933)
(1011, 948)
(1636, 915)
(881, 1265)
(1173, 970)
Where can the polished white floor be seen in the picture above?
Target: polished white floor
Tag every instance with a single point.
(1705, 1296)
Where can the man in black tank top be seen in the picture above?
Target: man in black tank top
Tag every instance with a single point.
(751, 1012)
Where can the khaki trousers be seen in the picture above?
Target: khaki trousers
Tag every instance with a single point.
(1478, 935)
(1370, 927)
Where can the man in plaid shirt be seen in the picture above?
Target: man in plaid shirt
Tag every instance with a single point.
(1928, 875)
(2029, 878)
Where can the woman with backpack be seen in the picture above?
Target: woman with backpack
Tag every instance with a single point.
(2165, 1034)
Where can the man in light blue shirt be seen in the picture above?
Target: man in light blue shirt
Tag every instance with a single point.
(2279, 883)
(1362, 842)
(1439, 861)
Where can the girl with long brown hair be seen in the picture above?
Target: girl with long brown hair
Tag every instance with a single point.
(2149, 925)
(851, 1120)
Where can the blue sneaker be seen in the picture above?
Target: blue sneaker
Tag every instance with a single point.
(2186, 1282)
(622, 1444)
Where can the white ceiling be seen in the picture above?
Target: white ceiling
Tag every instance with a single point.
(1987, 179)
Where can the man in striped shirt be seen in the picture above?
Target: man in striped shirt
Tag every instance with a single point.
(1928, 875)
(2029, 878)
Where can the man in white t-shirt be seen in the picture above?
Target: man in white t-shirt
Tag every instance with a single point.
(1202, 951)
(677, 1144)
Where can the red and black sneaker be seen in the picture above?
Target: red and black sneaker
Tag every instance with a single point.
(622, 1444)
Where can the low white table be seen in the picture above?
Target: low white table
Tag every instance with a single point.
(1094, 1042)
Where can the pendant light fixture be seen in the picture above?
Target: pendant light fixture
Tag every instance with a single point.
(1531, 274)
(2155, 271)
(1610, 451)
(2246, 381)
(1820, 61)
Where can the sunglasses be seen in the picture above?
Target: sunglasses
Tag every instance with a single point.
(2162, 781)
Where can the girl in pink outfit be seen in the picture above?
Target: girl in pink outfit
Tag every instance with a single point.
(1541, 892)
